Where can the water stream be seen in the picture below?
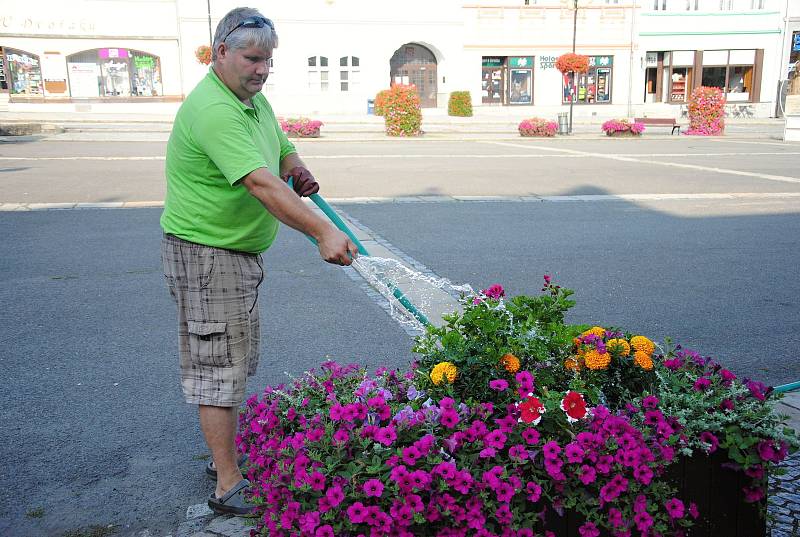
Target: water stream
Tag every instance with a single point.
(430, 295)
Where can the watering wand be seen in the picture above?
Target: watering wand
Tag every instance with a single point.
(339, 223)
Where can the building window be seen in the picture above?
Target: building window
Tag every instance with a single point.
(591, 87)
(318, 73)
(349, 71)
(24, 72)
(679, 74)
(732, 71)
(114, 72)
(520, 80)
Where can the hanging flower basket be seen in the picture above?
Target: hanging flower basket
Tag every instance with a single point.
(571, 62)
(203, 54)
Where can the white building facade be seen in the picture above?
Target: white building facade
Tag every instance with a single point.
(334, 55)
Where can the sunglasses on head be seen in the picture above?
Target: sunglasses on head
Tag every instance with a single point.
(251, 22)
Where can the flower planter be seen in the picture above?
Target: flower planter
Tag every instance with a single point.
(707, 481)
(314, 134)
(623, 134)
(716, 488)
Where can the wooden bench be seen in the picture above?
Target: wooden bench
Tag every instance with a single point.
(659, 122)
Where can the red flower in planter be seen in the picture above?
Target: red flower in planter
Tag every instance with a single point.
(531, 410)
(571, 62)
(574, 406)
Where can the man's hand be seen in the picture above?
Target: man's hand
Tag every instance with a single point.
(336, 248)
(302, 181)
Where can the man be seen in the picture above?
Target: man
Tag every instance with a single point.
(227, 165)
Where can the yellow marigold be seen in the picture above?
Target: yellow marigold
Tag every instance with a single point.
(641, 343)
(619, 346)
(572, 363)
(510, 362)
(442, 371)
(595, 360)
(599, 331)
(643, 360)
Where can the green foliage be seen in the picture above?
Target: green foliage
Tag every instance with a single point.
(401, 111)
(459, 104)
(475, 339)
(380, 102)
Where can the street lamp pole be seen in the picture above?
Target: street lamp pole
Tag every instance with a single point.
(573, 88)
(211, 37)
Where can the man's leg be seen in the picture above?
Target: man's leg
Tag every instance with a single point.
(219, 428)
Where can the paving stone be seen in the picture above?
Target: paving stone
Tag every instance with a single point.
(198, 510)
(190, 527)
(230, 526)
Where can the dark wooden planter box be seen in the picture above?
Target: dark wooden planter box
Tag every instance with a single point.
(315, 134)
(623, 134)
(704, 480)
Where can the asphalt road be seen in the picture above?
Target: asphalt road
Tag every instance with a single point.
(107, 171)
(94, 428)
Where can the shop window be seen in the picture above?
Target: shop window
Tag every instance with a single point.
(24, 72)
(714, 76)
(114, 72)
(318, 73)
(3, 78)
(520, 80)
(740, 82)
(349, 72)
(591, 87)
(680, 84)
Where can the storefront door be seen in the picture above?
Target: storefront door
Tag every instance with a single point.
(493, 80)
(415, 64)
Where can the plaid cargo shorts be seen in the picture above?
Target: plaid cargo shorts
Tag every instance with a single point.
(216, 292)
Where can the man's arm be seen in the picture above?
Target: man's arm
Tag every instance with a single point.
(334, 246)
(292, 160)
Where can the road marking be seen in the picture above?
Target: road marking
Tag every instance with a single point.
(566, 153)
(10, 207)
(779, 144)
(611, 156)
(82, 158)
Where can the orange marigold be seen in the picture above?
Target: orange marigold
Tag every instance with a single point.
(599, 331)
(510, 362)
(595, 360)
(641, 343)
(618, 346)
(572, 363)
(643, 360)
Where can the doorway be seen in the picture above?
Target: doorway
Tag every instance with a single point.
(415, 64)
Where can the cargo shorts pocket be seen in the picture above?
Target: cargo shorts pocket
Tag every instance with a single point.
(208, 343)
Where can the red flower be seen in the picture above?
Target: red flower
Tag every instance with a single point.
(574, 405)
(571, 62)
(531, 410)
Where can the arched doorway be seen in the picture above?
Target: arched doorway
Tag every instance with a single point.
(415, 64)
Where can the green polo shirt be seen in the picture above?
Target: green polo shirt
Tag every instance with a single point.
(216, 140)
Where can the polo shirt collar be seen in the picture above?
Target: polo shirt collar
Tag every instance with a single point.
(212, 75)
